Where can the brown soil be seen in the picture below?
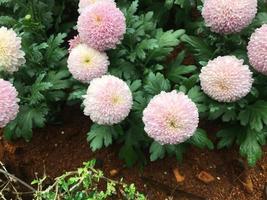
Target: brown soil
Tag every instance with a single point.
(56, 149)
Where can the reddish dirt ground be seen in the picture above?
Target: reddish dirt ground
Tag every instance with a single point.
(56, 149)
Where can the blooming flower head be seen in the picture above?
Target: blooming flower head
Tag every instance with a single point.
(11, 55)
(86, 3)
(9, 107)
(228, 16)
(86, 63)
(170, 118)
(74, 42)
(101, 26)
(108, 100)
(226, 79)
(257, 49)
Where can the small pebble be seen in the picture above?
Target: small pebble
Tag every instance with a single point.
(62, 132)
(218, 178)
(56, 145)
(165, 173)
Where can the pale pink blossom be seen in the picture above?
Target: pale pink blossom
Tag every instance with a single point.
(257, 49)
(229, 16)
(226, 79)
(86, 63)
(170, 118)
(108, 100)
(101, 26)
(9, 107)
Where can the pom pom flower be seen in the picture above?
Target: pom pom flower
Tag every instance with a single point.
(11, 55)
(86, 3)
(257, 49)
(9, 107)
(108, 100)
(228, 16)
(101, 26)
(85, 63)
(170, 118)
(226, 79)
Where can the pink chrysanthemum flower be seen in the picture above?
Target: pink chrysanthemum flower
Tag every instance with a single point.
(74, 42)
(9, 107)
(170, 118)
(228, 16)
(257, 49)
(108, 100)
(101, 26)
(226, 79)
(85, 3)
(86, 63)
(11, 55)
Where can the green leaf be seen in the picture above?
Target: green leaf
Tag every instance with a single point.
(196, 95)
(166, 42)
(133, 8)
(228, 136)
(38, 88)
(99, 136)
(201, 50)
(27, 119)
(157, 151)
(250, 148)
(135, 85)
(59, 79)
(176, 73)
(201, 140)
(156, 83)
(255, 115)
(128, 154)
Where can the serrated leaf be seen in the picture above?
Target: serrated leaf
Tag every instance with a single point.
(156, 83)
(157, 151)
(227, 137)
(201, 50)
(250, 148)
(255, 115)
(201, 140)
(196, 95)
(99, 136)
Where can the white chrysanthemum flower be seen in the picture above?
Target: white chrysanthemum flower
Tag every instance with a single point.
(11, 55)
(226, 79)
(9, 107)
(228, 16)
(170, 118)
(86, 63)
(257, 49)
(108, 100)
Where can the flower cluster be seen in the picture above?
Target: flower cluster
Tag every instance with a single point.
(257, 49)
(170, 118)
(227, 16)
(108, 100)
(11, 55)
(9, 107)
(101, 26)
(226, 79)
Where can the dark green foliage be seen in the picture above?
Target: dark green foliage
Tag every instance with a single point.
(43, 81)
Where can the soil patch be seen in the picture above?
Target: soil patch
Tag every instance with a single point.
(56, 149)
